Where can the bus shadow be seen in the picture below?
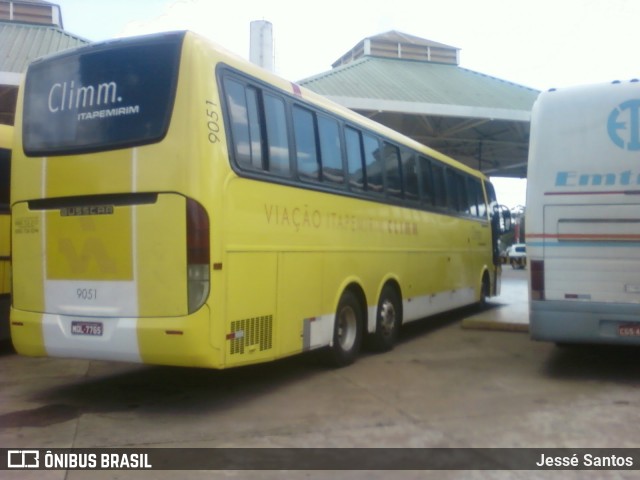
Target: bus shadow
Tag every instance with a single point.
(616, 363)
(6, 347)
(112, 387)
(427, 325)
(159, 389)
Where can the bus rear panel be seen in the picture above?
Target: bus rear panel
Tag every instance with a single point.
(583, 215)
(106, 230)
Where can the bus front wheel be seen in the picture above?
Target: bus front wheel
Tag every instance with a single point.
(347, 331)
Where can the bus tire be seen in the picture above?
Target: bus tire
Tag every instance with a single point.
(388, 320)
(485, 290)
(347, 331)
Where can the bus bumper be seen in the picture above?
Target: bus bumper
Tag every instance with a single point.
(179, 341)
(585, 322)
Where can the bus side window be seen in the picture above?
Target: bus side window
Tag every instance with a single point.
(463, 194)
(306, 148)
(410, 175)
(482, 203)
(354, 159)
(439, 189)
(373, 163)
(393, 177)
(492, 200)
(330, 150)
(277, 138)
(452, 190)
(428, 192)
(475, 196)
(245, 124)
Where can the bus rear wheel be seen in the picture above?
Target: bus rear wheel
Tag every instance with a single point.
(347, 331)
(388, 321)
(485, 291)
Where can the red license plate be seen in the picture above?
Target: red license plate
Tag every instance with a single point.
(629, 330)
(87, 328)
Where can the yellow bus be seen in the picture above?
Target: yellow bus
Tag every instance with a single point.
(6, 140)
(173, 204)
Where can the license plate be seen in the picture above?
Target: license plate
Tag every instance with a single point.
(87, 328)
(629, 330)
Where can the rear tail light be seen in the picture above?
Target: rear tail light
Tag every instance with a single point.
(537, 279)
(198, 256)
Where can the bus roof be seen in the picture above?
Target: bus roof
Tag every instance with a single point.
(195, 41)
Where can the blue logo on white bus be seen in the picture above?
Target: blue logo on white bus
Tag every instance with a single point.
(623, 125)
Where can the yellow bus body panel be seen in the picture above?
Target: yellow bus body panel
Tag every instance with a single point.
(180, 342)
(28, 278)
(26, 333)
(311, 247)
(5, 251)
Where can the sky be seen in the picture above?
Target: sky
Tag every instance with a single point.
(540, 44)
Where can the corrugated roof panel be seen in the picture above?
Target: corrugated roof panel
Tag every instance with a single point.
(420, 82)
(20, 44)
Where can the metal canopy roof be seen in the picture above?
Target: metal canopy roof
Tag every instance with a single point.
(477, 119)
(20, 44)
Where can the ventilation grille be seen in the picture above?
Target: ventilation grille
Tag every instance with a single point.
(251, 332)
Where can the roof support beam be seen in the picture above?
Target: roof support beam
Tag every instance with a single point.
(433, 109)
(462, 127)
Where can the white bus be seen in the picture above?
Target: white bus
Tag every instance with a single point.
(583, 215)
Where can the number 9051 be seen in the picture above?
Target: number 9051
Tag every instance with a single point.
(87, 293)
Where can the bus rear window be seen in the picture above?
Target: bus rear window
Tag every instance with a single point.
(101, 97)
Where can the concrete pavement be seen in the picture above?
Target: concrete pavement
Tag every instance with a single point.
(507, 312)
(442, 386)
